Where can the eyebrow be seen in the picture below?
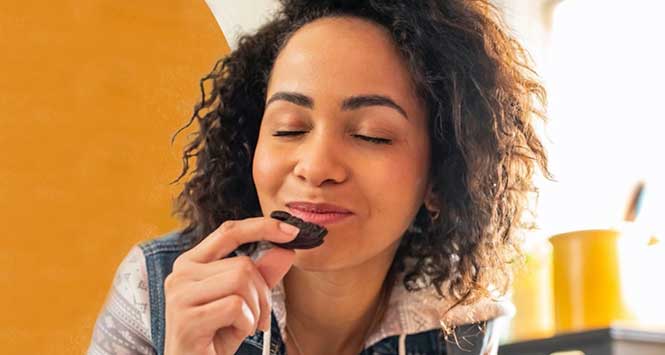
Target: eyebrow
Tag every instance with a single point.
(350, 103)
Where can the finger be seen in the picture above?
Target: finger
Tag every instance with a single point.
(268, 260)
(199, 272)
(244, 280)
(227, 340)
(232, 234)
(274, 264)
(229, 313)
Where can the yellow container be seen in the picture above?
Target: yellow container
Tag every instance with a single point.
(532, 295)
(587, 280)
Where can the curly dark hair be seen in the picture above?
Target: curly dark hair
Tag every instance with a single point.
(481, 97)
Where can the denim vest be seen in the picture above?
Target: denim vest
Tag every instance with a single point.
(160, 253)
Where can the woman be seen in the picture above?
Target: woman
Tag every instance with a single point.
(404, 128)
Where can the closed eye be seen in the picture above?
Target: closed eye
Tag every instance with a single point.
(374, 140)
(288, 133)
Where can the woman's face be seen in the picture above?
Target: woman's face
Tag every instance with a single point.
(358, 140)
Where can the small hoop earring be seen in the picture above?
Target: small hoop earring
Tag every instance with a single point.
(434, 215)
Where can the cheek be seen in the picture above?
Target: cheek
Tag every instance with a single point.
(266, 170)
(407, 172)
(397, 184)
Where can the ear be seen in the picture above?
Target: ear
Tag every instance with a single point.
(431, 202)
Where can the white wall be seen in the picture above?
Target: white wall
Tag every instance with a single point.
(238, 16)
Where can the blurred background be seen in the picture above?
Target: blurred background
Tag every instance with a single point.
(91, 93)
(591, 263)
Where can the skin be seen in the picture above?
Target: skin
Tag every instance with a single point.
(332, 290)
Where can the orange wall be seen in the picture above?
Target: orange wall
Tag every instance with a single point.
(90, 94)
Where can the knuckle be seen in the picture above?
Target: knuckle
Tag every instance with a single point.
(237, 307)
(235, 281)
(247, 266)
(226, 226)
(236, 304)
(248, 329)
(168, 283)
(271, 227)
(178, 264)
(241, 286)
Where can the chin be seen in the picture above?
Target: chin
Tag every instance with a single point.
(319, 260)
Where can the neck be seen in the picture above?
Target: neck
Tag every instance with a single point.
(331, 312)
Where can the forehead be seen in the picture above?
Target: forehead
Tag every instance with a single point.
(342, 56)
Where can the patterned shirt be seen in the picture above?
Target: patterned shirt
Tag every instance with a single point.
(123, 325)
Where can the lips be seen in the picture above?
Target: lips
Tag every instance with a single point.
(317, 207)
(319, 213)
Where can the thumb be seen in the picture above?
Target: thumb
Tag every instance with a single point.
(274, 264)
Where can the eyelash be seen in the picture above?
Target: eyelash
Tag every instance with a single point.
(374, 140)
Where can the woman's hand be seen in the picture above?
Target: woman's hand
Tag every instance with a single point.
(212, 304)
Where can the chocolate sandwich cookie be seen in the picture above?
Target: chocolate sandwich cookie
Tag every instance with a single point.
(310, 235)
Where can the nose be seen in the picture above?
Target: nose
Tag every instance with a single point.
(321, 161)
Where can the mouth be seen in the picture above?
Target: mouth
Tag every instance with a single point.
(319, 213)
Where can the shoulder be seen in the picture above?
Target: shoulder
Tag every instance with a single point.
(161, 252)
(131, 280)
(172, 242)
(129, 294)
(124, 321)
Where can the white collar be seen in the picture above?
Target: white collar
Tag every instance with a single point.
(410, 312)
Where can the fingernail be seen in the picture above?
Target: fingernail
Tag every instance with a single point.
(289, 229)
